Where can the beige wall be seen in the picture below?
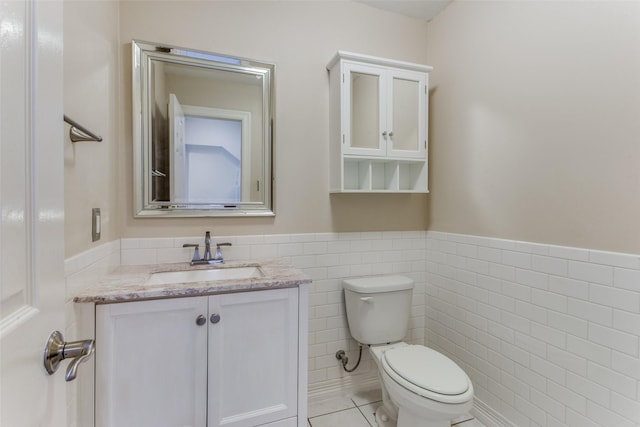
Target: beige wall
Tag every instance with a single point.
(535, 122)
(301, 38)
(91, 67)
(533, 128)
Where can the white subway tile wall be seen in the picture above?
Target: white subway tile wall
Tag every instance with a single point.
(80, 271)
(327, 258)
(549, 335)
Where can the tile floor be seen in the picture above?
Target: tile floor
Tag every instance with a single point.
(357, 410)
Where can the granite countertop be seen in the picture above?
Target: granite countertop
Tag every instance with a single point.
(128, 283)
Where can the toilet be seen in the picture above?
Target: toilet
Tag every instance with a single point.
(420, 386)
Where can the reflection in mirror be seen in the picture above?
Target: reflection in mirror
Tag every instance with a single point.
(405, 114)
(365, 110)
(202, 133)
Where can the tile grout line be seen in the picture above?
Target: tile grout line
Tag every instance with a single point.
(331, 412)
(364, 416)
(358, 407)
(465, 420)
(355, 406)
(340, 410)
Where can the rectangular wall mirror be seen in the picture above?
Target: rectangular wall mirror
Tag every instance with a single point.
(202, 133)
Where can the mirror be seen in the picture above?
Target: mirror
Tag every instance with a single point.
(202, 133)
(365, 112)
(406, 106)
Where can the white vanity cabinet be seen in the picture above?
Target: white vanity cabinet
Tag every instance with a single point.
(378, 123)
(228, 359)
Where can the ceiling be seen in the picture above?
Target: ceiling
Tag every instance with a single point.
(420, 9)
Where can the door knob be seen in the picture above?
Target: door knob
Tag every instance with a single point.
(58, 350)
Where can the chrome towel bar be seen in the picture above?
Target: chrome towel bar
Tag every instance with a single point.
(79, 133)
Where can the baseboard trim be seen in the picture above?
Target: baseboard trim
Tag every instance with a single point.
(488, 416)
(341, 387)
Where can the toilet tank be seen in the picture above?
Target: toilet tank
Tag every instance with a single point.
(378, 308)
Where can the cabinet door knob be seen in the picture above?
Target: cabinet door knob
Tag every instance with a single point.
(384, 134)
(391, 134)
(201, 320)
(215, 318)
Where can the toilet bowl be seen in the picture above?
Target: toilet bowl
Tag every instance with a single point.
(426, 388)
(420, 386)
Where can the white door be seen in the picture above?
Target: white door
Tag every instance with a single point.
(177, 156)
(227, 132)
(32, 290)
(253, 358)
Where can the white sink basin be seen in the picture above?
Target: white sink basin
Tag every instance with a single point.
(169, 277)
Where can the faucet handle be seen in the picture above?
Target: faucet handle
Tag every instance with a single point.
(196, 253)
(218, 255)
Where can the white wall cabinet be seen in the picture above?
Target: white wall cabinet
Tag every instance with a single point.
(378, 123)
(224, 360)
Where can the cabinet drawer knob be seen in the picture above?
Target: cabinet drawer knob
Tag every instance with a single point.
(215, 318)
(201, 320)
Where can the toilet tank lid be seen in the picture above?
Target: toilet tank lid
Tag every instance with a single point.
(375, 284)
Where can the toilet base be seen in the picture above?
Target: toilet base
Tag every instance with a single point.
(383, 418)
(408, 419)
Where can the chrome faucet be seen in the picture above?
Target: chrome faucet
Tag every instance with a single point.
(207, 246)
(206, 259)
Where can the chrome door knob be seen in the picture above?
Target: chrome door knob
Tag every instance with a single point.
(215, 318)
(58, 349)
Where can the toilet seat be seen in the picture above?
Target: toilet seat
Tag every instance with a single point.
(427, 373)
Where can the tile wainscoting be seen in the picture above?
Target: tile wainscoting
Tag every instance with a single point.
(80, 270)
(327, 258)
(549, 335)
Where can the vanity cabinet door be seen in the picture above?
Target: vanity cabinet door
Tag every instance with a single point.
(151, 363)
(253, 357)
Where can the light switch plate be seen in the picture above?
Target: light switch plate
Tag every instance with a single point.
(95, 224)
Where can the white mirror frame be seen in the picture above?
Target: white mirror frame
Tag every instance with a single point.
(144, 207)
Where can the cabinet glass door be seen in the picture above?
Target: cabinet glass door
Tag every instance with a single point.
(366, 112)
(408, 105)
